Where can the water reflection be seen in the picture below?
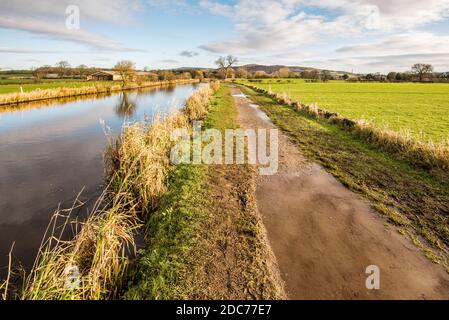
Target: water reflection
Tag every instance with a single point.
(51, 150)
(125, 106)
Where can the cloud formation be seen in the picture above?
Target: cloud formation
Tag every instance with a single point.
(188, 54)
(47, 18)
(292, 24)
(287, 28)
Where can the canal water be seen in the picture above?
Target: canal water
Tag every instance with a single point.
(50, 151)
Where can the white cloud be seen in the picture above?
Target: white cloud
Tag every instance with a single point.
(115, 11)
(188, 54)
(283, 30)
(292, 24)
(397, 52)
(25, 51)
(382, 63)
(413, 42)
(47, 17)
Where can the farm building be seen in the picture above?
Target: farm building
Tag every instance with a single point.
(51, 76)
(107, 75)
(104, 76)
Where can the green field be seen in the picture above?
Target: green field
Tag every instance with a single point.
(10, 88)
(421, 108)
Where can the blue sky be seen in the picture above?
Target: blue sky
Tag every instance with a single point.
(359, 35)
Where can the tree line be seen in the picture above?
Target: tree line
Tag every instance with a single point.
(419, 72)
(226, 68)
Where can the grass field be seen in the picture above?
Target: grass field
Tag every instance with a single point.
(10, 88)
(421, 108)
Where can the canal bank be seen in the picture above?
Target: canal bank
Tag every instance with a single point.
(105, 87)
(50, 153)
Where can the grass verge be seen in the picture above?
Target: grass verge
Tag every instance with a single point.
(206, 240)
(413, 200)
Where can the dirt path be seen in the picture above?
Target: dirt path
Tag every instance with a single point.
(324, 236)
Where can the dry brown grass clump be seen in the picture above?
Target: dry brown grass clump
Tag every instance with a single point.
(91, 265)
(142, 153)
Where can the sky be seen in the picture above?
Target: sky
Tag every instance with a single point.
(351, 35)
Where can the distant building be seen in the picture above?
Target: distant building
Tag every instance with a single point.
(51, 76)
(143, 73)
(105, 76)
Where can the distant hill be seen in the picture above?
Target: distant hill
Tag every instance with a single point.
(266, 68)
(270, 69)
(274, 68)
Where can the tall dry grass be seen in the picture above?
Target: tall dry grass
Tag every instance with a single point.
(423, 153)
(95, 257)
(142, 152)
(36, 95)
(138, 162)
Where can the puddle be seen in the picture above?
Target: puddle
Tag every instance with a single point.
(262, 116)
(240, 95)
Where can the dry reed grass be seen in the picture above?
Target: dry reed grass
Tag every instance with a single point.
(97, 252)
(143, 152)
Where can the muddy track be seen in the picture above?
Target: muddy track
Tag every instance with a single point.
(324, 236)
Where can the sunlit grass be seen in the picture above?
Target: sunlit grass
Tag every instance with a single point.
(420, 108)
(421, 152)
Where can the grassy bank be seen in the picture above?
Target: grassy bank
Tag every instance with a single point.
(411, 199)
(424, 154)
(205, 241)
(6, 88)
(79, 89)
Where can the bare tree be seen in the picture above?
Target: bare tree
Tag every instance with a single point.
(226, 63)
(392, 76)
(242, 73)
(284, 72)
(260, 74)
(199, 74)
(63, 64)
(126, 70)
(422, 69)
(63, 68)
(314, 75)
(326, 75)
